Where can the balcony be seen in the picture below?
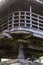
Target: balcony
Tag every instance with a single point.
(23, 22)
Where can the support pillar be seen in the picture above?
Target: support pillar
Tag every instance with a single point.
(21, 53)
(32, 57)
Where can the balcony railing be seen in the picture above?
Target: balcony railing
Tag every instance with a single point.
(24, 21)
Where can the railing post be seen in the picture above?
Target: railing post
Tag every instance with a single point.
(30, 16)
(19, 18)
(38, 22)
(25, 19)
(13, 20)
(8, 22)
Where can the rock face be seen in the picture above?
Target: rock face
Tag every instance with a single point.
(19, 62)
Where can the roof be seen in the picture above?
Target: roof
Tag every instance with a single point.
(3, 6)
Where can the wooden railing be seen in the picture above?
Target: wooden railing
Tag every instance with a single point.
(25, 19)
(22, 19)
